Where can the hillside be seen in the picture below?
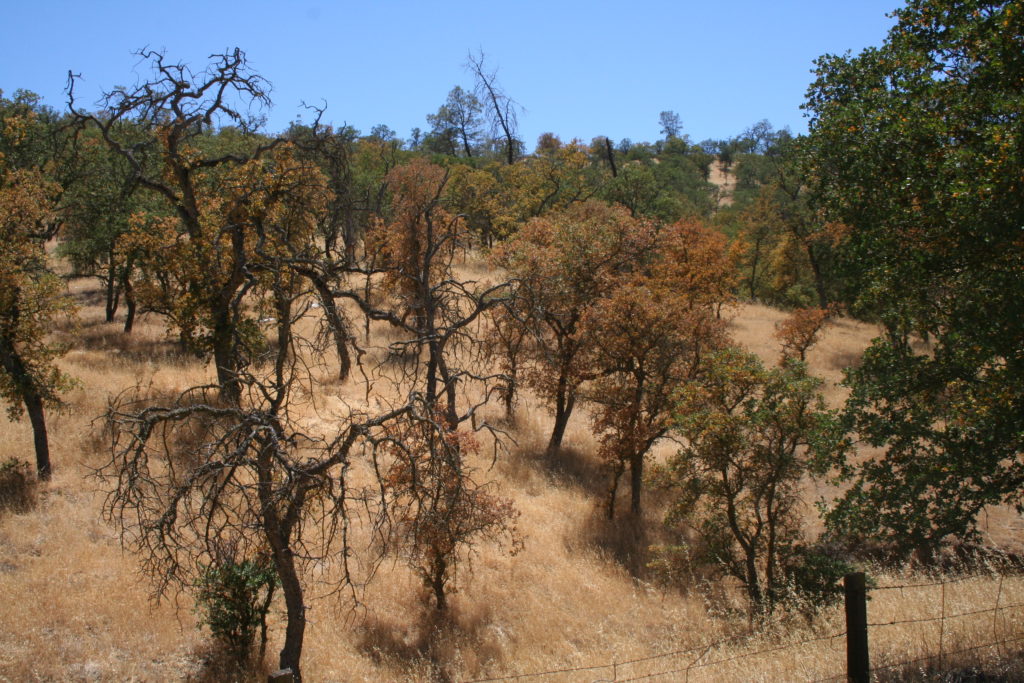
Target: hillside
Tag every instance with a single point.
(77, 608)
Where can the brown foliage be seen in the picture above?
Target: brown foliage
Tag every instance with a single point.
(438, 511)
(652, 336)
(799, 332)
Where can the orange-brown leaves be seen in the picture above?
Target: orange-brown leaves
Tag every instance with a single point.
(652, 335)
(799, 332)
(439, 511)
(566, 262)
(251, 217)
(414, 243)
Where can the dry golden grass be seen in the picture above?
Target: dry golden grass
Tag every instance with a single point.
(74, 606)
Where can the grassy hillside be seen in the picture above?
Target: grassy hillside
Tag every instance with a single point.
(75, 606)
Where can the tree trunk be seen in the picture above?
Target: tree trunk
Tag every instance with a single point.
(226, 361)
(611, 157)
(129, 300)
(34, 407)
(636, 482)
(295, 630)
(278, 535)
(508, 397)
(437, 584)
(30, 395)
(819, 279)
(113, 295)
(753, 584)
(337, 323)
(563, 411)
(618, 467)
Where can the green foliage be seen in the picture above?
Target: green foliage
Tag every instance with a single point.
(918, 147)
(748, 431)
(813, 574)
(233, 598)
(32, 297)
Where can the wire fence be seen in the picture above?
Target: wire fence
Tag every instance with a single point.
(950, 642)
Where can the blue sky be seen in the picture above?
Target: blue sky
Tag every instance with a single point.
(580, 69)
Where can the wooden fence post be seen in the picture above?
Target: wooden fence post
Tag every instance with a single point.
(857, 664)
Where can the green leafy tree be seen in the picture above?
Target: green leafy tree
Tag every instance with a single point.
(233, 595)
(456, 128)
(98, 202)
(738, 478)
(671, 124)
(32, 297)
(918, 147)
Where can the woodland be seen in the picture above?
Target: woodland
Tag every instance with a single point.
(365, 407)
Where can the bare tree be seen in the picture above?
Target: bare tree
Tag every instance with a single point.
(502, 110)
(191, 475)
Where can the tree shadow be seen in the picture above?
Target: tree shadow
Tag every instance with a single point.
(626, 539)
(215, 665)
(566, 467)
(428, 641)
(104, 337)
(845, 359)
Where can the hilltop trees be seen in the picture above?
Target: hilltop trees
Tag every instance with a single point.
(456, 127)
(502, 110)
(918, 147)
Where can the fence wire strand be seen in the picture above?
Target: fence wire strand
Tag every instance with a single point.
(918, 660)
(703, 651)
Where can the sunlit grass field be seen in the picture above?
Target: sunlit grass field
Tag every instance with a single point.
(74, 605)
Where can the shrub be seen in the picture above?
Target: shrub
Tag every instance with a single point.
(234, 598)
(814, 574)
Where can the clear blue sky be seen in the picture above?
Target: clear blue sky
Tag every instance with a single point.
(581, 68)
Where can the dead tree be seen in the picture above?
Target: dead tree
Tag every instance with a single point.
(502, 110)
(192, 475)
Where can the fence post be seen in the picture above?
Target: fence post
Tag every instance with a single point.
(857, 666)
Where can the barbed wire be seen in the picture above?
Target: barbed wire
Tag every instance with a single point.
(705, 649)
(537, 674)
(940, 582)
(945, 617)
(696, 665)
(925, 658)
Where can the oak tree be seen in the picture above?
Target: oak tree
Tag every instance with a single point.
(32, 297)
(747, 431)
(196, 263)
(566, 262)
(916, 146)
(653, 335)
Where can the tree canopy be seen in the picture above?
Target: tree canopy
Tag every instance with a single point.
(917, 148)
